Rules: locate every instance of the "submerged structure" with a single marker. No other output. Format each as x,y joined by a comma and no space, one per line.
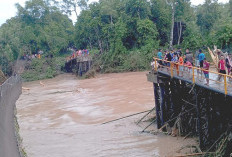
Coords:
183,100
79,65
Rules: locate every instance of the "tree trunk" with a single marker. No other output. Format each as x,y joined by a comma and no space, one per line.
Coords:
99,41
111,20
179,33
107,45
75,10
90,44
172,25
138,14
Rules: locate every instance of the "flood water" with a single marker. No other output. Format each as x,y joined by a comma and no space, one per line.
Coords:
63,118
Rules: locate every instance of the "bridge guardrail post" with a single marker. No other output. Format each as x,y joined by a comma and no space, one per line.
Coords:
225,84
156,65
172,65
193,74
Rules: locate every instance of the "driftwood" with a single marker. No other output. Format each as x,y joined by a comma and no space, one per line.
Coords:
195,154
24,88
165,125
2,77
223,143
176,117
41,83
149,125
215,55
145,115
190,146
188,135
126,117
216,141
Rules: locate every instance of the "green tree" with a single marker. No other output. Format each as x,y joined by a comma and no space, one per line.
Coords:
207,15
44,27
69,6
183,14
160,15
223,36
230,9
192,37
148,33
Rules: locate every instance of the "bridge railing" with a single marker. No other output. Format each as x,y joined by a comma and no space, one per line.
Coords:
191,73
79,58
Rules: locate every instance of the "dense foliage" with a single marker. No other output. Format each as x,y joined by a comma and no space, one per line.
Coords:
127,32
37,27
123,33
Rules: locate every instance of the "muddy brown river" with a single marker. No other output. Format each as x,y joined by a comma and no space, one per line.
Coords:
63,118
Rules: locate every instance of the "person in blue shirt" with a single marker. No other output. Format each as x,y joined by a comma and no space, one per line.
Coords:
201,58
175,63
174,58
160,56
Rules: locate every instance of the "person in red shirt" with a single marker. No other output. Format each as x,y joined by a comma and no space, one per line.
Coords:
206,71
73,55
181,65
189,66
221,67
228,63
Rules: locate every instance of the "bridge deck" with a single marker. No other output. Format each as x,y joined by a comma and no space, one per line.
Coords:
214,84
204,111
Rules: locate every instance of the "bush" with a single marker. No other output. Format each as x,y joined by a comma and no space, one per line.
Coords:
44,68
136,61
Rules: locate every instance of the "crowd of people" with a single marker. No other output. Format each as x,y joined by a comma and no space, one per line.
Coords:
183,62
32,56
78,53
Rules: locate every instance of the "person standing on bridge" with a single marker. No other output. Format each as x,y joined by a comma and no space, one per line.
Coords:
181,65
179,52
197,63
175,63
189,67
79,53
228,63
168,58
160,56
206,71
189,56
201,59
221,67
186,51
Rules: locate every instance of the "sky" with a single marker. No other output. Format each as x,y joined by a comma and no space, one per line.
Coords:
8,10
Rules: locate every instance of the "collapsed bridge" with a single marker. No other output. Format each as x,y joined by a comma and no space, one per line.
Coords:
201,110
79,65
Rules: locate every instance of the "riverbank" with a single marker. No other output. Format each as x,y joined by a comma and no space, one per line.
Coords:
63,118
40,69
